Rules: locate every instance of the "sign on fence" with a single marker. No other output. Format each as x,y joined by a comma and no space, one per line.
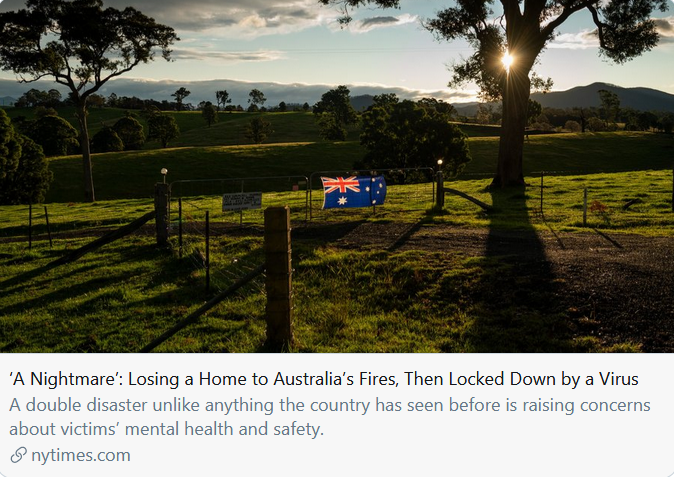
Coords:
242,201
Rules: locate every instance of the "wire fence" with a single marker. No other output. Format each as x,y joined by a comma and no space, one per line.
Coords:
59,224
629,200
555,198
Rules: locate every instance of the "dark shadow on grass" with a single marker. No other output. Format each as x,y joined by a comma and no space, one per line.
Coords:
515,305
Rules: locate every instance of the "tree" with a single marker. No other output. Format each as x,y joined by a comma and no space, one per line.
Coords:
209,113
106,140
407,135
180,95
610,106
337,103
534,110
55,135
256,98
624,29
24,172
282,107
131,132
162,127
329,128
572,126
82,46
257,130
222,97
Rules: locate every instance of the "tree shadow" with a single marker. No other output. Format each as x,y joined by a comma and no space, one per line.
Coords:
516,306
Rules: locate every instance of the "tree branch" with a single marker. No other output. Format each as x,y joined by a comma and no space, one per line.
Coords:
566,13
600,28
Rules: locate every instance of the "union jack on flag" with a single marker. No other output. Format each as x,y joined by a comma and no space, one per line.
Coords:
354,191
341,183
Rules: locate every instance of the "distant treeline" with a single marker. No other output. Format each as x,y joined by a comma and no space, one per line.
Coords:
54,99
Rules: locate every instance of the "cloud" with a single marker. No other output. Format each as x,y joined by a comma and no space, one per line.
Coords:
369,24
233,18
665,28
201,54
582,40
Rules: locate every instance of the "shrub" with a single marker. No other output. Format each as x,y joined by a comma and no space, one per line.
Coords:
130,131
106,140
257,130
24,171
572,126
56,135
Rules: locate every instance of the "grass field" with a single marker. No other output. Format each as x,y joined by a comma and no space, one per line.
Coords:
121,297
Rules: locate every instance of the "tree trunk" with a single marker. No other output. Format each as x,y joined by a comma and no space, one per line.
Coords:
511,145
89,194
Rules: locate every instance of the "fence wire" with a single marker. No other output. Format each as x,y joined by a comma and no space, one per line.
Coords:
219,252
65,223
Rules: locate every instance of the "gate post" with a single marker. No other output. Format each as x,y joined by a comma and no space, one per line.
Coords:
162,194
278,281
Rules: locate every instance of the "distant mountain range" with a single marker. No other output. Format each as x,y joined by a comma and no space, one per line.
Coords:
642,99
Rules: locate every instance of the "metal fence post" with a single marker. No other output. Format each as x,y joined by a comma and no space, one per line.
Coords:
30,226
180,228
162,194
208,252
278,281
46,217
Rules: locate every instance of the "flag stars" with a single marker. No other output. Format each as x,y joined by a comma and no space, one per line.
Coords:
341,201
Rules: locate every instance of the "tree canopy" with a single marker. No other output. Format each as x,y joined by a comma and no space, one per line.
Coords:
522,30
180,95
335,112
409,135
162,127
24,172
81,45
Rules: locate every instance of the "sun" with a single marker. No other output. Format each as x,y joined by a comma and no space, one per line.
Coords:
507,61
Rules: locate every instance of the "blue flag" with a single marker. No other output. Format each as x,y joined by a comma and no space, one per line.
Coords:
354,191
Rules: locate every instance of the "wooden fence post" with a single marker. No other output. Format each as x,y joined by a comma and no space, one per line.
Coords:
278,281
162,193
440,197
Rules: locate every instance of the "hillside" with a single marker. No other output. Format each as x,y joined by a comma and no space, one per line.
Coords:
642,99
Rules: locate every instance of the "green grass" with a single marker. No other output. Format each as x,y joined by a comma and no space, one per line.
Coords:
132,174
120,298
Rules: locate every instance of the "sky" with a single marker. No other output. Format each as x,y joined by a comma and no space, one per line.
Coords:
294,50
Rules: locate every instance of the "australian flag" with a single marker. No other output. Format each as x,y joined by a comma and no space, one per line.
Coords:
354,191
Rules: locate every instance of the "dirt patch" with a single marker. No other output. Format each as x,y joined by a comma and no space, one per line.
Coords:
618,288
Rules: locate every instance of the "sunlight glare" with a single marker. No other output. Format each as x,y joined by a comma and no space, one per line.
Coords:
507,61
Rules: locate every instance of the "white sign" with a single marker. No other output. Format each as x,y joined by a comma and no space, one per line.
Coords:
242,201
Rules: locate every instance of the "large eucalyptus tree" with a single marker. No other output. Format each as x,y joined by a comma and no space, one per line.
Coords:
81,45
507,47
